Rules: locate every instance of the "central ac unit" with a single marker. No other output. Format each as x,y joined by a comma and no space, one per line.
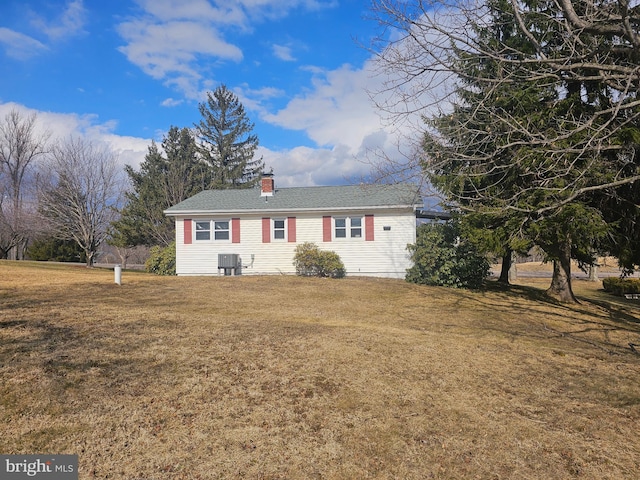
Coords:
228,260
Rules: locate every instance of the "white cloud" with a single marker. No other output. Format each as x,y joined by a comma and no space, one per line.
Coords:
337,111
68,24
278,8
168,49
130,150
255,99
338,114
218,13
283,53
171,102
20,46
304,166
300,166
170,38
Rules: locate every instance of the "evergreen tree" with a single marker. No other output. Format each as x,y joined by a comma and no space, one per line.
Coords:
53,249
532,145
443,257
166,177
621,208
468,157
226,143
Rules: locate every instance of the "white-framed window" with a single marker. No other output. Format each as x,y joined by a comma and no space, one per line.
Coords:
348,227
203,230
222,229
340,227
356,227
218,230
279,229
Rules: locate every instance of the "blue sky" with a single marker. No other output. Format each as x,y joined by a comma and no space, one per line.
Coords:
124,71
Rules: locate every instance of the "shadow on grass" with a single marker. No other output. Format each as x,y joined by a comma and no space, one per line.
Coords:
54,362
591,315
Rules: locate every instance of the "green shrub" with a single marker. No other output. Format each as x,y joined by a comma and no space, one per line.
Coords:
162,261
53,249
441,258
620,286
310,261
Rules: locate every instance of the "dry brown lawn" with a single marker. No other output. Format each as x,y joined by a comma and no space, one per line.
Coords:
286,377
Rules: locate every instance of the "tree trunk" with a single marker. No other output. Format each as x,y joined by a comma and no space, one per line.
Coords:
124,253
513,271
90,257
506,268
560,288
593,273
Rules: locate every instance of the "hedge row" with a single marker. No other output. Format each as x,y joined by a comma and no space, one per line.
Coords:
620,286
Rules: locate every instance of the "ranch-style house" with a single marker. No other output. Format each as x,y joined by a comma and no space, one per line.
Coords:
255,231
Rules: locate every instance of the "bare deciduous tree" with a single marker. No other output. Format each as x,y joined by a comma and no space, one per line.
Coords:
20,146
80,194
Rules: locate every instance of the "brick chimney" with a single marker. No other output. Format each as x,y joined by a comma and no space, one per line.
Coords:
267,185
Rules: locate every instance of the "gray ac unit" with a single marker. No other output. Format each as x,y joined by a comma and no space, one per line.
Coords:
228,260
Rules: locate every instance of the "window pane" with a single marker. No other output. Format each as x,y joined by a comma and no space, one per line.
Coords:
356,227
278,224
340,227
203,230
278,234
222,230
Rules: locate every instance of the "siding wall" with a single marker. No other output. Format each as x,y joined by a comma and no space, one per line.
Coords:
385,256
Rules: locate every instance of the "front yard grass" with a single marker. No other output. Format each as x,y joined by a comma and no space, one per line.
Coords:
289,377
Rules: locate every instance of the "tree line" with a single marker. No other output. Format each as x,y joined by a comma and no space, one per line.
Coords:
531,117
73,195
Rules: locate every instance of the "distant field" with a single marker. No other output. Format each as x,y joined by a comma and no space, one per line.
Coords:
293,378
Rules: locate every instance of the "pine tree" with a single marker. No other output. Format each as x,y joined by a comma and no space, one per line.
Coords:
527,148
166,177
226,143
544,130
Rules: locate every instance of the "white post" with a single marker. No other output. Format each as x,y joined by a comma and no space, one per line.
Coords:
117,270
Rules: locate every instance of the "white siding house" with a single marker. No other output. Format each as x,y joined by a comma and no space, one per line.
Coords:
368,226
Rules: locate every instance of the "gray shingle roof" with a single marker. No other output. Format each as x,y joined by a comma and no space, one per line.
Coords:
300,198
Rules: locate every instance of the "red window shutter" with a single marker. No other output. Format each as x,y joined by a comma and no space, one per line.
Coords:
188,227
235,230
291,229
326,229
266,230
368,228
